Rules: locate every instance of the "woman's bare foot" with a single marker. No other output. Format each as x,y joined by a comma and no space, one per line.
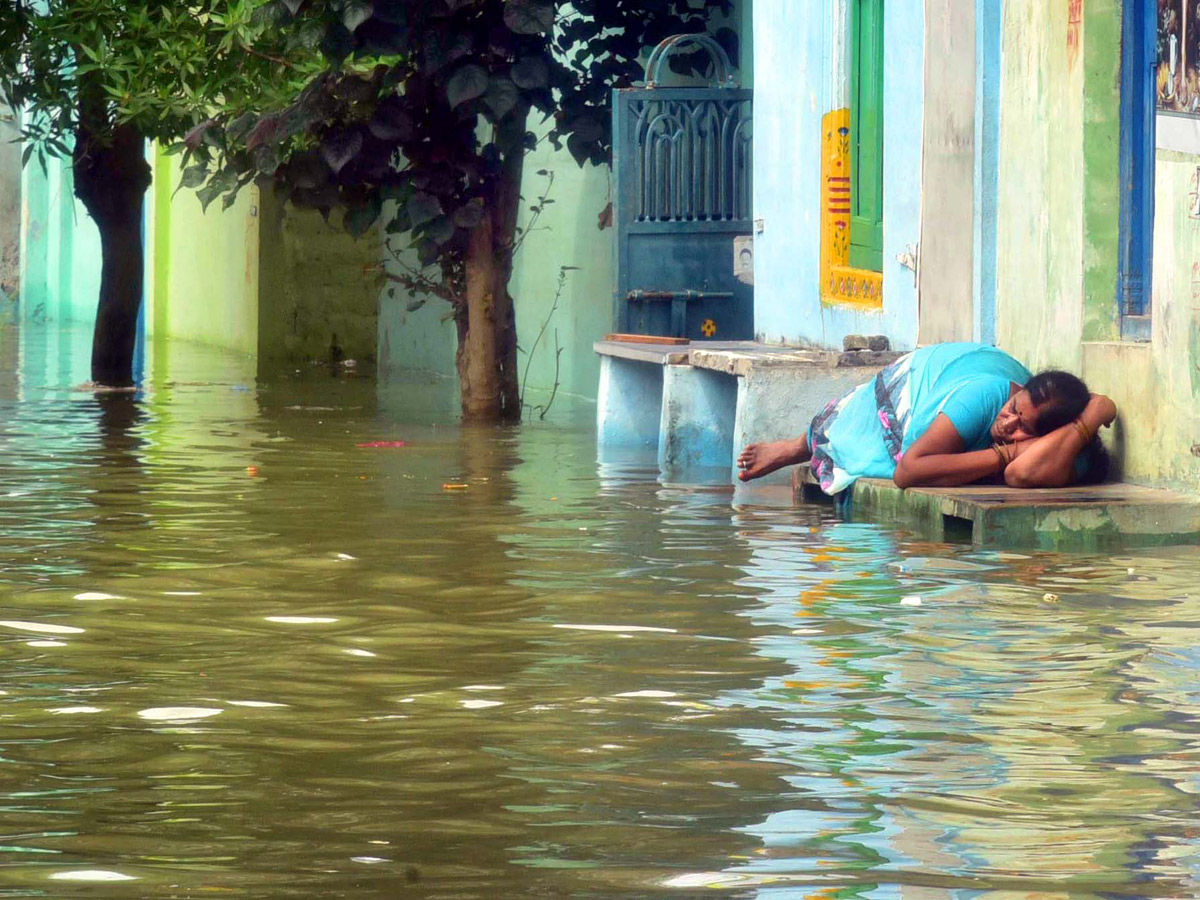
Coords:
758,460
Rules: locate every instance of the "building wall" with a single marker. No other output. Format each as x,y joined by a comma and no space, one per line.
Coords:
205,265
1057,237
60,248
318,287
10,216
566,234
797,47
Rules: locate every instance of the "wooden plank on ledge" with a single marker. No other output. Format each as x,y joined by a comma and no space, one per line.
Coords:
646,339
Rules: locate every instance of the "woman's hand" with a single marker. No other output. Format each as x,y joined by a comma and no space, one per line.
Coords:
1101,410
1049,460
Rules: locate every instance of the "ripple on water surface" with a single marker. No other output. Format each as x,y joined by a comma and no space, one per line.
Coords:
245,655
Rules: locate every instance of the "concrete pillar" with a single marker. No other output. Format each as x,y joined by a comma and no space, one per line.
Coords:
774,404
628,408
698,412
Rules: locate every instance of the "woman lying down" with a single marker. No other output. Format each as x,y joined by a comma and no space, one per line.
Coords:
947,415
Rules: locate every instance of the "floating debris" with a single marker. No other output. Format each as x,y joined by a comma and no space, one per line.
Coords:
910,601
177,714
91,875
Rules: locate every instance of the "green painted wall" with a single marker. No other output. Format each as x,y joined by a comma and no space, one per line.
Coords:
204,265
315,282
566,234
1039,278
1057,234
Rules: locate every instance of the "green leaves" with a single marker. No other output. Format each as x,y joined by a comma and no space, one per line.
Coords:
423,103
360,217
423,208
468,83
355,13
530,73
339,147
193,176
529,16
502,97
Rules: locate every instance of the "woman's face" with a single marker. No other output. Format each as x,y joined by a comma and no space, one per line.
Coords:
1017,420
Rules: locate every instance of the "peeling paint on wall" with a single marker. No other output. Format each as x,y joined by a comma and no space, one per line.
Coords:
1074,27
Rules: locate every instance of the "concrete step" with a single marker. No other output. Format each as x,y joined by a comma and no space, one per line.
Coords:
1096,517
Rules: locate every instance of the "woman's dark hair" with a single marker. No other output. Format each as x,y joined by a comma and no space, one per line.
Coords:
1060,397
1096,463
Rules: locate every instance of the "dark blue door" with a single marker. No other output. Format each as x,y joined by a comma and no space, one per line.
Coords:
682,168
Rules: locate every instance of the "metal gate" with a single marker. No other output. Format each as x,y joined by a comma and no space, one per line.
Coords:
682,170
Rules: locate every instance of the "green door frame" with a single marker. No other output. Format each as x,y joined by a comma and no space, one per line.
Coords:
866,131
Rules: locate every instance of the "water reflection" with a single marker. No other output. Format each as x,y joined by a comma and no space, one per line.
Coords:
246,655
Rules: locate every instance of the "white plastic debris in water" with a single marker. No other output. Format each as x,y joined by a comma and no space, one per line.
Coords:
910,601
97,595
91,875
178,713
1129,571
1050,598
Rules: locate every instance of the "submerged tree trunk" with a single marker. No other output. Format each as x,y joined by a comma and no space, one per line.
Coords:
487,327
111,178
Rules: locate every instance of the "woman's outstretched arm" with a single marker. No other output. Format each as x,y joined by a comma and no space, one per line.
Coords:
1049,460
936,459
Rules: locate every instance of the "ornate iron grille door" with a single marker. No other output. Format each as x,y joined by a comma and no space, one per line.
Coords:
682,169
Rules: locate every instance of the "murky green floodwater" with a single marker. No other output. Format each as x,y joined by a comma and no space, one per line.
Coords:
330,676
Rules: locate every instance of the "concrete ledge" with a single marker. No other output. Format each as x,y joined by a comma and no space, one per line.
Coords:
1076,518
740,358
658,354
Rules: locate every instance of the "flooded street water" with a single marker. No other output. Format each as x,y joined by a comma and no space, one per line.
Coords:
241,655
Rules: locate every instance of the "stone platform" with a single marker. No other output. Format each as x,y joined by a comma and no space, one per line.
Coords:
1076,518
700,403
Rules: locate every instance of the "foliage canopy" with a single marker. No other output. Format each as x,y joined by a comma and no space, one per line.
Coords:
154,65
424,101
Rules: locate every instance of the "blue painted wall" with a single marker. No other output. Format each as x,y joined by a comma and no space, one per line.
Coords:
794,88
60,248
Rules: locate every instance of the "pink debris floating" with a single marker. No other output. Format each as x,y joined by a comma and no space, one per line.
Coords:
381,445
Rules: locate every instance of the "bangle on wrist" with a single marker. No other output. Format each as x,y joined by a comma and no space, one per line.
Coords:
1082,428
1001,456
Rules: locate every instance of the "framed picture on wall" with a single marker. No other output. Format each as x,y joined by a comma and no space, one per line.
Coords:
1178,76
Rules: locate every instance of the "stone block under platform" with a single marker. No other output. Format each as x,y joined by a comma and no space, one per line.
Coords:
698,404
1095,517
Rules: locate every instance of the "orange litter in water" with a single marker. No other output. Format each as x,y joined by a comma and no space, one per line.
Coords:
454,487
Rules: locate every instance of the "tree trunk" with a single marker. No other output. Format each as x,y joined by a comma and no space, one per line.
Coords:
487,328
111,179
